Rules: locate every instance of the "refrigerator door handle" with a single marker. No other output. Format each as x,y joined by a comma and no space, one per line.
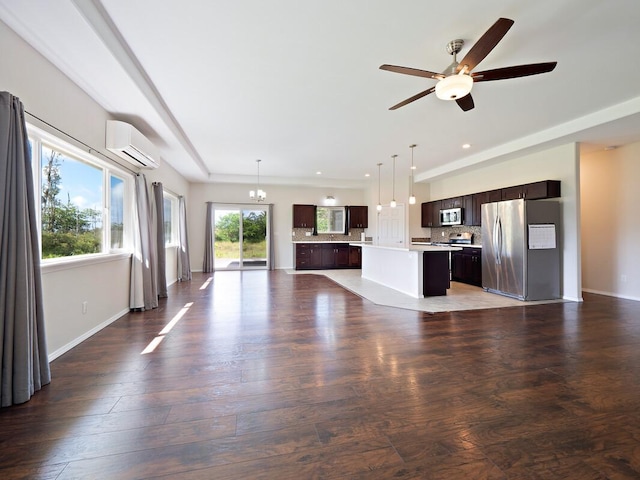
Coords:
500,240
497,240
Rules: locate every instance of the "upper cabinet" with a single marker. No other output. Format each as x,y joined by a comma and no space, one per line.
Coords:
455,202
304,216
358,216
478,200
431,213
533,191
472,204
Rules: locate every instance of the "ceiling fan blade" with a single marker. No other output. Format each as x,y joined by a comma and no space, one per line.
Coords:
411,71
466,102
485,44
513,72
414,98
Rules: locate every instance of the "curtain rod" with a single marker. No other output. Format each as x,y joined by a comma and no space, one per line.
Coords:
167,190
237,203
81,143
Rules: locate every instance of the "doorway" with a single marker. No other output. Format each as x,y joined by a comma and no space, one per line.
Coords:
240,237
391,226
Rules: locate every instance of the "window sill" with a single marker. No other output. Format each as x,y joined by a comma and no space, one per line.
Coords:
67,263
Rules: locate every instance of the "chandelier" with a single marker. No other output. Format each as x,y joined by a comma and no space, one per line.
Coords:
257,194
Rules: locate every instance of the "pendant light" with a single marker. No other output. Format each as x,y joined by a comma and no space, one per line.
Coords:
258,195
379,207
412,197
393,184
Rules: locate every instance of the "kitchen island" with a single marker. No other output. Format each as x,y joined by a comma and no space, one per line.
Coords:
418,271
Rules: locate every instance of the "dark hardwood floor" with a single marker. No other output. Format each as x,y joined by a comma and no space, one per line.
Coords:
276,376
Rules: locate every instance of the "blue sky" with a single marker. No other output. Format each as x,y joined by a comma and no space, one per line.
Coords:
81,183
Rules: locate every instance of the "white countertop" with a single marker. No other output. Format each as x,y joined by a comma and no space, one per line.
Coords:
463,245
415,248
350,242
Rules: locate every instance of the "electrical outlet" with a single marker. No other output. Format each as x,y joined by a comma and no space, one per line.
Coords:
84,307
293,234
442,233
308,234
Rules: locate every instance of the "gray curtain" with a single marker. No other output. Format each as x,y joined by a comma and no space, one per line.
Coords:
184,262
23,348
157,200
207,265
272,249
144,290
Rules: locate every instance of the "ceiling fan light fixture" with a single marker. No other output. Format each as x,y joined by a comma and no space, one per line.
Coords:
454,87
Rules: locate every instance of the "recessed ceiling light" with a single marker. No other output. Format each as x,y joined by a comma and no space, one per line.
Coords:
466,145
318,172
367,175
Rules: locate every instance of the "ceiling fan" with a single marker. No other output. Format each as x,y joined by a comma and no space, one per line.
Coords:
456,81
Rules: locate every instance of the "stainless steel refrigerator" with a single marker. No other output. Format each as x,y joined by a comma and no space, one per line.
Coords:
521,249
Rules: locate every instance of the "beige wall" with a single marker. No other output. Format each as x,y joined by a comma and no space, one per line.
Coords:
104,285
610,259
283,197
609,181
559,163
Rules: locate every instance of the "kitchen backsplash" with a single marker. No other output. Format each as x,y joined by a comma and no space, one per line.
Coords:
436,233
354,235
300,235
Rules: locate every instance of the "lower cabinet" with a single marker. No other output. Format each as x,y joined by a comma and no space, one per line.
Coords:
317,256
355,256
308,256
466,266
335,255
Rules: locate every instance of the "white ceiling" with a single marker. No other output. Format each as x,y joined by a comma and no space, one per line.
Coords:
218,84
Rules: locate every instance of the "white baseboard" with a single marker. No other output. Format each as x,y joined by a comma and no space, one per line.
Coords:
83,337
611,294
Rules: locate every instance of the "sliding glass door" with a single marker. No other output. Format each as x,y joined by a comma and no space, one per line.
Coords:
240,237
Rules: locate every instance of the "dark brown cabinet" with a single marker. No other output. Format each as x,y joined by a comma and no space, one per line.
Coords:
468,213
308,256
472,204
455,202
466,266
481,198
304,216
435,267
430,214
317,256
425,215
533,191
355,257
358,216
335,255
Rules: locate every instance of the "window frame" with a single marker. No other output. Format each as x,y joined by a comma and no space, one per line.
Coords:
39,137
174,240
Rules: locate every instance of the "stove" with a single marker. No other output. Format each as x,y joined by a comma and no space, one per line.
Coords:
463,238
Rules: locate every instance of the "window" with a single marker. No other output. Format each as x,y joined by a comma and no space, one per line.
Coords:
170,218
116,209
330,219
82,199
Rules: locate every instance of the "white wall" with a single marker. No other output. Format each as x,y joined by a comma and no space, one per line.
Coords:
283,197
51,96
559,163
421,191
610,260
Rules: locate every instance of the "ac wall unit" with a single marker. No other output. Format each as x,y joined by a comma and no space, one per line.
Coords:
128,143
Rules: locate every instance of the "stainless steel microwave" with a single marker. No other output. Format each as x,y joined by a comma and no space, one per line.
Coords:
451,216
